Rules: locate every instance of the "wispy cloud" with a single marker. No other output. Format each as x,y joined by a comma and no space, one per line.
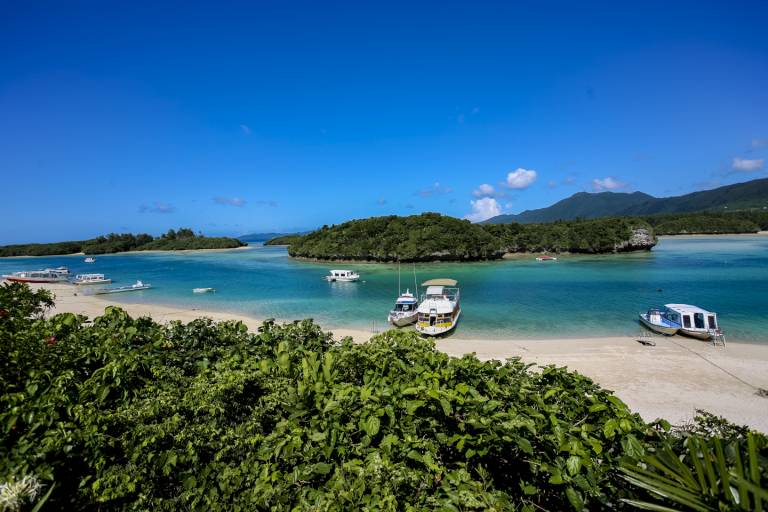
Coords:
746,165
435,190
551,184
230,201
607,183
760,143
484,190
246,129
520,178
483,209
157,207
381,201
263,202
570,180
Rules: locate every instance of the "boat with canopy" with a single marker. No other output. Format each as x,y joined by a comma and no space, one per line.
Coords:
440,307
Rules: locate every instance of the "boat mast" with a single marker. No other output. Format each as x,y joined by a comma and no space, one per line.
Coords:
415,284
398,279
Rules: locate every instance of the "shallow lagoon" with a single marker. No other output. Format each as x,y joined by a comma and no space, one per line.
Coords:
573,297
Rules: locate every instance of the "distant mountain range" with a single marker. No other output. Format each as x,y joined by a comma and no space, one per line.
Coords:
751,194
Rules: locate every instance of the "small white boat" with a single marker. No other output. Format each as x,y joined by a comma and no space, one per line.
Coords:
90,279
658,320
203,290
138,285
440,308
90,260
36,276
546,258
405,311
694,321
346,276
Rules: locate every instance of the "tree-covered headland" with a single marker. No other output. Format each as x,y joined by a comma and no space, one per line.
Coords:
172,240
127,414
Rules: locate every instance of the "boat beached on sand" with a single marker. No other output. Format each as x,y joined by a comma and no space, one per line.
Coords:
440,307
694,321
658,320
90,279
37,276
405,310
138,285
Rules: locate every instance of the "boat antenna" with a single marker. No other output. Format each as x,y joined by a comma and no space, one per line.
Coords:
415,283
398,279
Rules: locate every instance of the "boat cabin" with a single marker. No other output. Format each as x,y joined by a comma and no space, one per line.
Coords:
439,309
692,319
342,275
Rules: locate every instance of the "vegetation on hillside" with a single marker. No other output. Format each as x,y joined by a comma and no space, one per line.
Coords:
283,240
432,236
127,414
173,240
709,223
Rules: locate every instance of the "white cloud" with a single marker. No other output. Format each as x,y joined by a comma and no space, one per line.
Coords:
521,178
483,209
484,190
246,129
609,183
230,201
745,165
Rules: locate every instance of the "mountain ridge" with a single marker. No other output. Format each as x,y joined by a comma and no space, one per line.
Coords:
590,205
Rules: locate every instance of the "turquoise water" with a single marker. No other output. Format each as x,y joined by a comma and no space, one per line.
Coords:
577,296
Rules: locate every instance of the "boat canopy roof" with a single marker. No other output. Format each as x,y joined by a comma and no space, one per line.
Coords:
687,308
440,282
342,271
434,290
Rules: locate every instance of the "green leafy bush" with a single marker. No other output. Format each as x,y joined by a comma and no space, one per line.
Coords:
128,414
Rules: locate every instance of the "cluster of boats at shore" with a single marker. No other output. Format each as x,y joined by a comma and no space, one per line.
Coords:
435,312
96,282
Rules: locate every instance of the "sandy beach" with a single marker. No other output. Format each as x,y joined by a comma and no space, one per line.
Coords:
670,380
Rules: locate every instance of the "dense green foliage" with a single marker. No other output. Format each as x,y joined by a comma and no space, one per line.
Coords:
173,240
709,223
127,414
740,196
432,236
283,240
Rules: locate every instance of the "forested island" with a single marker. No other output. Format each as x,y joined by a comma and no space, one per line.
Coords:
172,240
433,237
709,223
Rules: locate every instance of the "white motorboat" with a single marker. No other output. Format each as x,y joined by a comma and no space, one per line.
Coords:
546,258
90,279
405,311
440,307
37,276
694,321
89,259
346,276
659,320
59,270
203,290
137,286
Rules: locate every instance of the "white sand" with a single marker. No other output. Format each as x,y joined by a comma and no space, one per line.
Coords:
670,380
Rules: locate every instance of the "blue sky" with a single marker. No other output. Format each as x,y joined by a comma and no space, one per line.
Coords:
247,117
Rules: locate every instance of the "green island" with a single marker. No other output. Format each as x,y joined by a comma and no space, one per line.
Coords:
431,236
124,413
172,240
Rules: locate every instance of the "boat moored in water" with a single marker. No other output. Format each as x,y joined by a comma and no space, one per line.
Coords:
137,286
658,320
694,321
89,259
546,258
91,279
405,311
346,276
203,290
440,307
37,276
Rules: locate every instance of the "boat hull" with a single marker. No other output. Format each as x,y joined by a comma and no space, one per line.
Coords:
34,279
402,321
699,335
661,329
93,283
437,330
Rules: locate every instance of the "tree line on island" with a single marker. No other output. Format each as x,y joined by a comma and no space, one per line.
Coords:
432,236
125,413
172,240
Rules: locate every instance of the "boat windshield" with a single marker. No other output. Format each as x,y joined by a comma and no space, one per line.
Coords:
405,308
